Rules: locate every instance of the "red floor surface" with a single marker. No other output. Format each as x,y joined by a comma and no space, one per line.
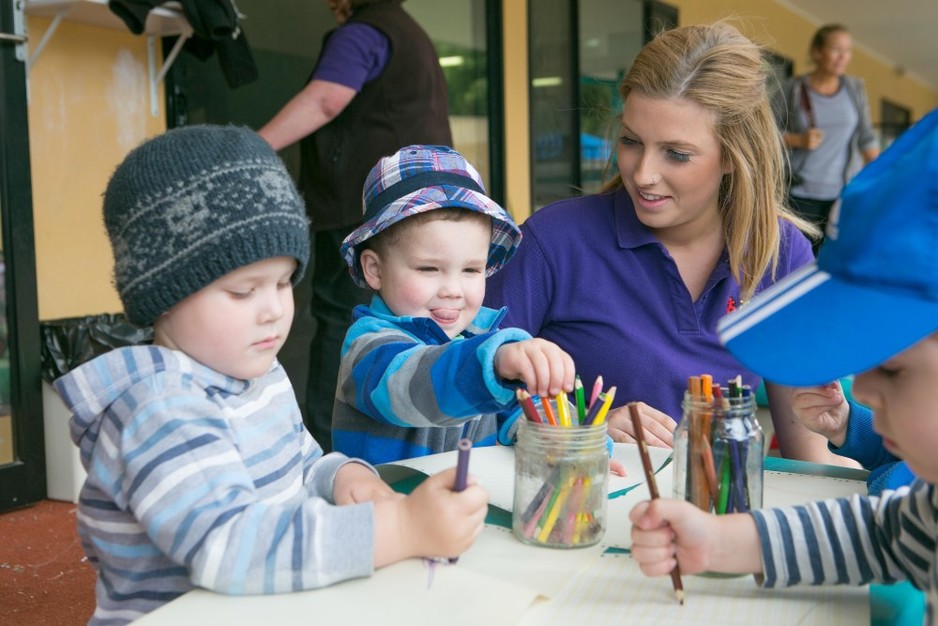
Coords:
44,577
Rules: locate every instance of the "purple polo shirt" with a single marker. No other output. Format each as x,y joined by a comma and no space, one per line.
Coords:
592,278
354,54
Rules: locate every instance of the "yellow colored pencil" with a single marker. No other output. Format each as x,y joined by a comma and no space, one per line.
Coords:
554,512
581,518
563,414
601,416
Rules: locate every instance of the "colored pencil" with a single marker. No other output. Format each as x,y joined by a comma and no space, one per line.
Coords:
594,410
604,409
563,410
527,406
542,495
653,489
693,385
597,387
548,412
580,399
538,511
710,472
462,463
721,497
554,509
724,491
706,387
462,471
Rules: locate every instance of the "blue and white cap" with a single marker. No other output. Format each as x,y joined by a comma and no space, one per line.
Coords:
873,291
420,178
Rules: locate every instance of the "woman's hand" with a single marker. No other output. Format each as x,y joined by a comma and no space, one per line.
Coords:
811,139
657,427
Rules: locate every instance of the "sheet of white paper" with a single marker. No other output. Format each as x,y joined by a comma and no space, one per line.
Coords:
497,553
405,594
494,468
613,591
618,526
786,489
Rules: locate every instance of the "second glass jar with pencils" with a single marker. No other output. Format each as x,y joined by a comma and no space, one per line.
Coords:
719,451
561,484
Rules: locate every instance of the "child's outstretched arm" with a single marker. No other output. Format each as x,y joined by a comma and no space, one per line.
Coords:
433,521
543,366
381,362
666,532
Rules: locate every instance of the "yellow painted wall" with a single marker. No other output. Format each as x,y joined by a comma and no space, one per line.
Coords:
517,128
788,33
89,105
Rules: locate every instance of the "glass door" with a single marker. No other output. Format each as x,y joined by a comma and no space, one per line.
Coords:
22,459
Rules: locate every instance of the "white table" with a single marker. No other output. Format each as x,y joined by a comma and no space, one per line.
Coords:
502,581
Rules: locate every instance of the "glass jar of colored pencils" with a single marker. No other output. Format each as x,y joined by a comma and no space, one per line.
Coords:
561,483
719,450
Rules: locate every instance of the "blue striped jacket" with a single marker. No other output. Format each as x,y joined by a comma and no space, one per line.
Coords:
406,390
199,479
855,541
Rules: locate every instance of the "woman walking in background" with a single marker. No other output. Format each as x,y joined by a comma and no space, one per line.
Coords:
824,117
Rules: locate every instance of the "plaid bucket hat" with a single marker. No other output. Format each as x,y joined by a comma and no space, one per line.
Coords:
417,179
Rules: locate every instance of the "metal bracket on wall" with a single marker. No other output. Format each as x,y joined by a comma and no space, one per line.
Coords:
18,36
162,21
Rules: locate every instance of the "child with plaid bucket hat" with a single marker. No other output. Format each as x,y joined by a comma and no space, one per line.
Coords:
868,305
200,471
426,364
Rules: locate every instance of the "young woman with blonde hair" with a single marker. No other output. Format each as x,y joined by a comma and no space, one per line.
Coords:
631,281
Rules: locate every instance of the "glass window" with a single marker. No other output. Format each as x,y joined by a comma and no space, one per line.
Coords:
896,119
553,100
458,29
579,51
610,37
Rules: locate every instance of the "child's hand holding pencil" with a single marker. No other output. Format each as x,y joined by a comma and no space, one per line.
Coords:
674,536
435,520
668,533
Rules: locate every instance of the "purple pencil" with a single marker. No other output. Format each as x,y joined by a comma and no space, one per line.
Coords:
462,470
462,463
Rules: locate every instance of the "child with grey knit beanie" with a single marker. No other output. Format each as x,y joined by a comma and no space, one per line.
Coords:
200,471
192,205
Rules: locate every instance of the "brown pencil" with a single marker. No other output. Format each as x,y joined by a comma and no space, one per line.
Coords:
653,488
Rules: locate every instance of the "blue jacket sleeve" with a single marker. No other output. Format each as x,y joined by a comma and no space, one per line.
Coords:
437,385
864,445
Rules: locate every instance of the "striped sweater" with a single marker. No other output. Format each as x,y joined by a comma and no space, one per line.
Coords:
406,390
199,479
855,541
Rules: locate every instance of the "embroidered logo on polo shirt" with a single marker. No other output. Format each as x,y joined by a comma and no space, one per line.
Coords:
730,305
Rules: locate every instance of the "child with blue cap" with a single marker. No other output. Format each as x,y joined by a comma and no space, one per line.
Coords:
869,306
200,472
426,364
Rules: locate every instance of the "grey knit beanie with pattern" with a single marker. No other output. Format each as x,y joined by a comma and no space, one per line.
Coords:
191,205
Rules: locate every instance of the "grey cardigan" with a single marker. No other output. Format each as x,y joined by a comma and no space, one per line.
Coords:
786,104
